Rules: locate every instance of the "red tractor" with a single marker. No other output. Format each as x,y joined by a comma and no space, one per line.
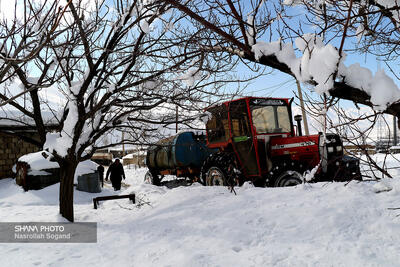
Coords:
253,139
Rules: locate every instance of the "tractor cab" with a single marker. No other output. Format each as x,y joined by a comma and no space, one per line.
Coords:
246,127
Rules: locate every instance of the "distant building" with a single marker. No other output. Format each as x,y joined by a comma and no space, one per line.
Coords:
120,151
383,144
394,149
13,146
18,136
359,149
102,158
135,158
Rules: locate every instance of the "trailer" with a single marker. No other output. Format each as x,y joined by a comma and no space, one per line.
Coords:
181,155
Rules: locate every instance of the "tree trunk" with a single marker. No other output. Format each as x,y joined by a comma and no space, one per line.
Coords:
67,172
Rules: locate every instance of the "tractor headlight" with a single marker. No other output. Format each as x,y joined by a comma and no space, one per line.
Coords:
339,148
330,149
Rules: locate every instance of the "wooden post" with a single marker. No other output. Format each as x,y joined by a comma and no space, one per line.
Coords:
303,111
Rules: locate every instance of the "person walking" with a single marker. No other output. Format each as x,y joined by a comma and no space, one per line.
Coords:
100,169
116,172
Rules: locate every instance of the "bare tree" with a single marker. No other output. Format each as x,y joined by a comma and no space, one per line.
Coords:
25,40
120,65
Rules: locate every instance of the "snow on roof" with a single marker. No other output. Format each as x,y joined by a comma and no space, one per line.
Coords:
128,156
17,118
39,160
134,155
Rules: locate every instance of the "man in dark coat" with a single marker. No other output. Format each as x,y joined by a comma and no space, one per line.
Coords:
117,173
100,169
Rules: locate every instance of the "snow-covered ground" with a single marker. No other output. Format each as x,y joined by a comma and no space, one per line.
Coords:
323,224
388,162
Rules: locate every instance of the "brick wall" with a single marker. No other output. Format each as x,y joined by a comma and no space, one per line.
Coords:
11,148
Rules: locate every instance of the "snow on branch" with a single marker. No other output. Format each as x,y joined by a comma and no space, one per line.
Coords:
59,143
292,2
321,63
191,76
393,5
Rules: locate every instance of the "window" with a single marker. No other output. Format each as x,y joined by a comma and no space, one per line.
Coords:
217,125
271,119
239,119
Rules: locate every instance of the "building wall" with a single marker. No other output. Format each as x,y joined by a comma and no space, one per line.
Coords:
11,148
135,160
352,149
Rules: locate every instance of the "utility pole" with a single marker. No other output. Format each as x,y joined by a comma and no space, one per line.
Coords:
123,144
394,130
137,158
176,119
303,110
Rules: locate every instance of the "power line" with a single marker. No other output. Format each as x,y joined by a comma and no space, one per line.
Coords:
274,88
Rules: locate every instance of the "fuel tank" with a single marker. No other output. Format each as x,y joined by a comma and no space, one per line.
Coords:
183,150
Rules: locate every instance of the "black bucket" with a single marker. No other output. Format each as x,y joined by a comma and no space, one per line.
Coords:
89,183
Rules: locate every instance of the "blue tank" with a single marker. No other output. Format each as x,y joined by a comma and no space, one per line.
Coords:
184,150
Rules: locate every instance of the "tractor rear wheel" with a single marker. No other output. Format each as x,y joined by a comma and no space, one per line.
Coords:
219,169
288,178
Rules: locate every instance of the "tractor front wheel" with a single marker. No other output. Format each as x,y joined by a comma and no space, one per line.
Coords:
289,178
151,177
215,176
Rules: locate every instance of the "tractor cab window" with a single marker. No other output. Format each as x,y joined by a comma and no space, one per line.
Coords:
271,118
239,119
217,125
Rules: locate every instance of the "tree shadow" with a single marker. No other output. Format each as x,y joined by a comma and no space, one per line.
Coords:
176,183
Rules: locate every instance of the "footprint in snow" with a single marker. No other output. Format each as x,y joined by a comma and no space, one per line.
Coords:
236,249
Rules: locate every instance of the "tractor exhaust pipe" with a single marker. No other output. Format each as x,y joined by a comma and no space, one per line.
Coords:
298,118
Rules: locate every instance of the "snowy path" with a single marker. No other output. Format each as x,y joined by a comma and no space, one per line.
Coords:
325,224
